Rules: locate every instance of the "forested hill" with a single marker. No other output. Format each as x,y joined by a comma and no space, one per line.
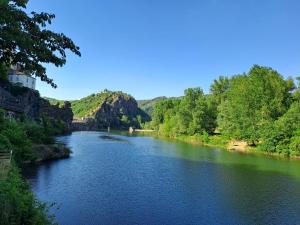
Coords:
148,105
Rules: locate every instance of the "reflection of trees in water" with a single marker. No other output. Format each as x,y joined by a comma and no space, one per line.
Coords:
40,173
259,197
246,189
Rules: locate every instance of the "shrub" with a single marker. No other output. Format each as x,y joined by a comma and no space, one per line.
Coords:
18,205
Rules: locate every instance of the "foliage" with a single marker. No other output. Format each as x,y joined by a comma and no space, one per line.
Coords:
192,114
18,140
219,89
283,136
19,136
260,107
253,100
18,205
148,105
25,41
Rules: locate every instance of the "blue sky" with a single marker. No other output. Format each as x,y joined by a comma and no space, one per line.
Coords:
151,48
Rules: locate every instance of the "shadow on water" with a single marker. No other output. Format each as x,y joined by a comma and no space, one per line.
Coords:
113,138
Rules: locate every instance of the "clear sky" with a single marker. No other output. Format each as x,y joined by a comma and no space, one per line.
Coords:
151,48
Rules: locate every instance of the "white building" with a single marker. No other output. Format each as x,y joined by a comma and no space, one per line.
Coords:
15,76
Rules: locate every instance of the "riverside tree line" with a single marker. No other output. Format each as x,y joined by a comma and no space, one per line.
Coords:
260,107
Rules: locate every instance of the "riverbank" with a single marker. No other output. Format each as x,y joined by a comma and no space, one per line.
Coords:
224,143
18,205
50,152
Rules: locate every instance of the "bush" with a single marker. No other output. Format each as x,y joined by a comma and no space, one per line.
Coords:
205,137
5,144
283,135
295,144
18,205
35,132
18,141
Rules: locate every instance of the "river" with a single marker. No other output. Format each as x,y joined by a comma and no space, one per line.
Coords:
114,179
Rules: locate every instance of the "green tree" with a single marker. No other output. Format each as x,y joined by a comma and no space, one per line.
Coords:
219,88
192,114
161,109
253,100
24,40
283,135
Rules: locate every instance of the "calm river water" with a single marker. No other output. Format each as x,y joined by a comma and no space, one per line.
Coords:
113,179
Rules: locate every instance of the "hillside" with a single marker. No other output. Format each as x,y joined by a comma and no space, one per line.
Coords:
148,105
107,109
54,101
88,106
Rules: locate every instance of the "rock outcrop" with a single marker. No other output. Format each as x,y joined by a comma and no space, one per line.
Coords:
236,145
21,102
50,152
116,110
110,113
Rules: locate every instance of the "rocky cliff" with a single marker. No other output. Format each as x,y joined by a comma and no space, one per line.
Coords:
23,103
116,110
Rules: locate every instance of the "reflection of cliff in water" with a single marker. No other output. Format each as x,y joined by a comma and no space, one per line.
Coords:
113,138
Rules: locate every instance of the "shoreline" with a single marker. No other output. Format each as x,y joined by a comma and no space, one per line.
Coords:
217,141
248,150
195,140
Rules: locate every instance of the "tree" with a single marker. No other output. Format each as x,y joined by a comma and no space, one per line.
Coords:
189,115
283,135
252,101
161,109
25,41
219,88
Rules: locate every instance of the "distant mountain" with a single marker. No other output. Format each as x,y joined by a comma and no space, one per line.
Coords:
54,101
148,105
